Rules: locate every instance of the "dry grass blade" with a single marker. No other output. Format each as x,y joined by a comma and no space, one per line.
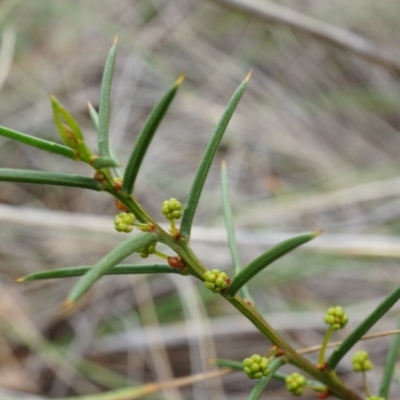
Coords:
313,349
154,387
329,33
6,53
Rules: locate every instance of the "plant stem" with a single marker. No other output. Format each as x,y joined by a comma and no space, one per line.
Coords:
194,265
334,385
135,208
321,358
365,384
196,268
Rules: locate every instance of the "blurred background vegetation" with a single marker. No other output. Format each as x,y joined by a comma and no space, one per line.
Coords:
313,144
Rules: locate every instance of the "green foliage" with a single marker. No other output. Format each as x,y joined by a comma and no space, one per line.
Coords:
146,135
208,157
70,132
144,234
265,259
104,108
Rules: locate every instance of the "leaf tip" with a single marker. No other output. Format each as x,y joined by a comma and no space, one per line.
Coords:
89,105
248,76
115,40
68,304
223,164
180,79
19,280
318,232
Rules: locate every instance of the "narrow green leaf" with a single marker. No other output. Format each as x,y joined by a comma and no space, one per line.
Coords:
61,113
114,164
104,108
93,116
390,365
244,291
206,161
33,141
262,383
104,162
363,328
122,269
265,259
48,178
222,362
70,131
146,135
107,263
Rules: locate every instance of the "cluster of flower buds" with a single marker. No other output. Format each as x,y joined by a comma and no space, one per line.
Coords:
145,251
216,280
123,222
255,366
361,361
172,209
295,383
336,318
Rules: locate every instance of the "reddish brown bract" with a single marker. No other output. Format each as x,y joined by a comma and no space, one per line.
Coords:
176,262
120,206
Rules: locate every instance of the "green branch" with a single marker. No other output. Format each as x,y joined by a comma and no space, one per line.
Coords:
48,178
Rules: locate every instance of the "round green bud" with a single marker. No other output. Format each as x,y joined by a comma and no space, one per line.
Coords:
255,366
295,383
172,209
216,280
361,361
123,222
144,252
375,398
336,318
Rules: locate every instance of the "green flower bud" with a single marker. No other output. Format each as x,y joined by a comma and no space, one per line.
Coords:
295,383
255,366
361,361
216,280
375,398
123,222
172,209
336,318
145,251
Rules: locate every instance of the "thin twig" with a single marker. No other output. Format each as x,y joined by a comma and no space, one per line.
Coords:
313,349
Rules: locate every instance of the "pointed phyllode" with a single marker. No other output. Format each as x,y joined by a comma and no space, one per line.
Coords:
267,258
126,248
104,108
146,135
207,159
